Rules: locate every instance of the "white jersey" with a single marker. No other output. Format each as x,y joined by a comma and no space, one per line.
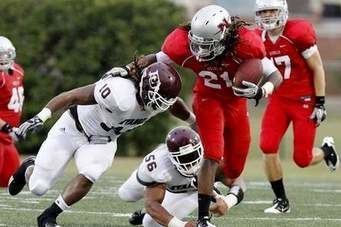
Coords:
117,109
157,167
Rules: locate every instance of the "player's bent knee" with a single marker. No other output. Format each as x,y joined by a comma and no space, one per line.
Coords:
127,195
268,148
39,188
302,162
148,221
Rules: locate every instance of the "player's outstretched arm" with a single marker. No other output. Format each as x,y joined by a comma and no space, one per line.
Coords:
180,110
79,96
153,197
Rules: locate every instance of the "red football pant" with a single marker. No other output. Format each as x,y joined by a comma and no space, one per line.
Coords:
277,117
224,129
9,162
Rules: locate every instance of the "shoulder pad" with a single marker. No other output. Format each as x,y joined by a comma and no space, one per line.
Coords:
176,46
249,45
115,94
301,33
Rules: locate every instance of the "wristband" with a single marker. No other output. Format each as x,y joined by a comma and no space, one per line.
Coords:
176,222
191,119
44,114
268,88
320,100
6,128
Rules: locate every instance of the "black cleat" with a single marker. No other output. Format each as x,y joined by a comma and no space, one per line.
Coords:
331,158
280,206
137,218
205,222
17,180
47,221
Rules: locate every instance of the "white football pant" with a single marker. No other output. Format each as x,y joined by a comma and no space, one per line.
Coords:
63,143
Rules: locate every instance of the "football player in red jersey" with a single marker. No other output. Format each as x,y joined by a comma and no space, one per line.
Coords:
213,46
291,44
11,101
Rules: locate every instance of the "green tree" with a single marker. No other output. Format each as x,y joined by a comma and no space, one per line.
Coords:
63,44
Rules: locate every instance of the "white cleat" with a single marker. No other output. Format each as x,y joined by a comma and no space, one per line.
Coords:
332,158
280,206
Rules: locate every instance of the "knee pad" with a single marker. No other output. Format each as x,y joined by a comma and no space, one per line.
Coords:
149,222
127,195
38,188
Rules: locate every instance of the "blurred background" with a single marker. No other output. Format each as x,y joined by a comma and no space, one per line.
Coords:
63,44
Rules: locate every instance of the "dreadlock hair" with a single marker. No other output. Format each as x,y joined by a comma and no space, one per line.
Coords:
232,36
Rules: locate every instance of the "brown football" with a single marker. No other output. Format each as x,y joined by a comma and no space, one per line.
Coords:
250,70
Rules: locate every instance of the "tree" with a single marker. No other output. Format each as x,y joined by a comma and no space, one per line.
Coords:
64,44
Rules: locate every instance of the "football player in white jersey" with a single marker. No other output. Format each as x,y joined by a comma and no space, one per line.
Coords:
166,180
97,114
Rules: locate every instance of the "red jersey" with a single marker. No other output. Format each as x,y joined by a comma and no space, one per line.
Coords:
213,77
287,53
11,96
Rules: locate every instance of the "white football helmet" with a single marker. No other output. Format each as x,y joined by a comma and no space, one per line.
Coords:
208,32
185,149
7,54
271,22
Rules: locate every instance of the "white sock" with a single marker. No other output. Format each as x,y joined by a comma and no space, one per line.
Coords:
61,203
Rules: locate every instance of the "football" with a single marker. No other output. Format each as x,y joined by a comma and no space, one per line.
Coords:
250,70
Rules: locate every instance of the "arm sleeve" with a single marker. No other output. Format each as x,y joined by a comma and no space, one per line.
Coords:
304,38
268,66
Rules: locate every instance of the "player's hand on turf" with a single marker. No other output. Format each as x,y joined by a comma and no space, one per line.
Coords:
219,208
251,91
319,114
29,126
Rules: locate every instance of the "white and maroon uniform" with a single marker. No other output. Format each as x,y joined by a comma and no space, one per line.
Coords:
181,197
89,134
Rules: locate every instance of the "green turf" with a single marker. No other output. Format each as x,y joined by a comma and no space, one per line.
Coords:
314,195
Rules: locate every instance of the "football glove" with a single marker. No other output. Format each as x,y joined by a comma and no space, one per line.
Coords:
29,126
319,114
117,71
251,91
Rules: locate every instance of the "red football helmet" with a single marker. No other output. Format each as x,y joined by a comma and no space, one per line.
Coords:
159,86
185,149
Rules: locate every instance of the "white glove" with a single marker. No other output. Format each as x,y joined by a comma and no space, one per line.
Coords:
252,91
117,71
31,125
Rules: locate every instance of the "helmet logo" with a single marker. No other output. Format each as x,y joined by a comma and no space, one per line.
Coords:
154,80
223,25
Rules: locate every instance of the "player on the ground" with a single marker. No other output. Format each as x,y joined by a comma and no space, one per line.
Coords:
98,114
166,179
213,46
300,99
11,101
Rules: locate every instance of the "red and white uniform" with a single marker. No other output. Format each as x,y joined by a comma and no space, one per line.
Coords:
222,118
11,101
294,100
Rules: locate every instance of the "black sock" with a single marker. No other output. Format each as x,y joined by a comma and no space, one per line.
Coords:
278,188
326,150
204,205
54,210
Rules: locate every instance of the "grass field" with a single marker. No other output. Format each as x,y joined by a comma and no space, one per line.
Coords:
314,195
